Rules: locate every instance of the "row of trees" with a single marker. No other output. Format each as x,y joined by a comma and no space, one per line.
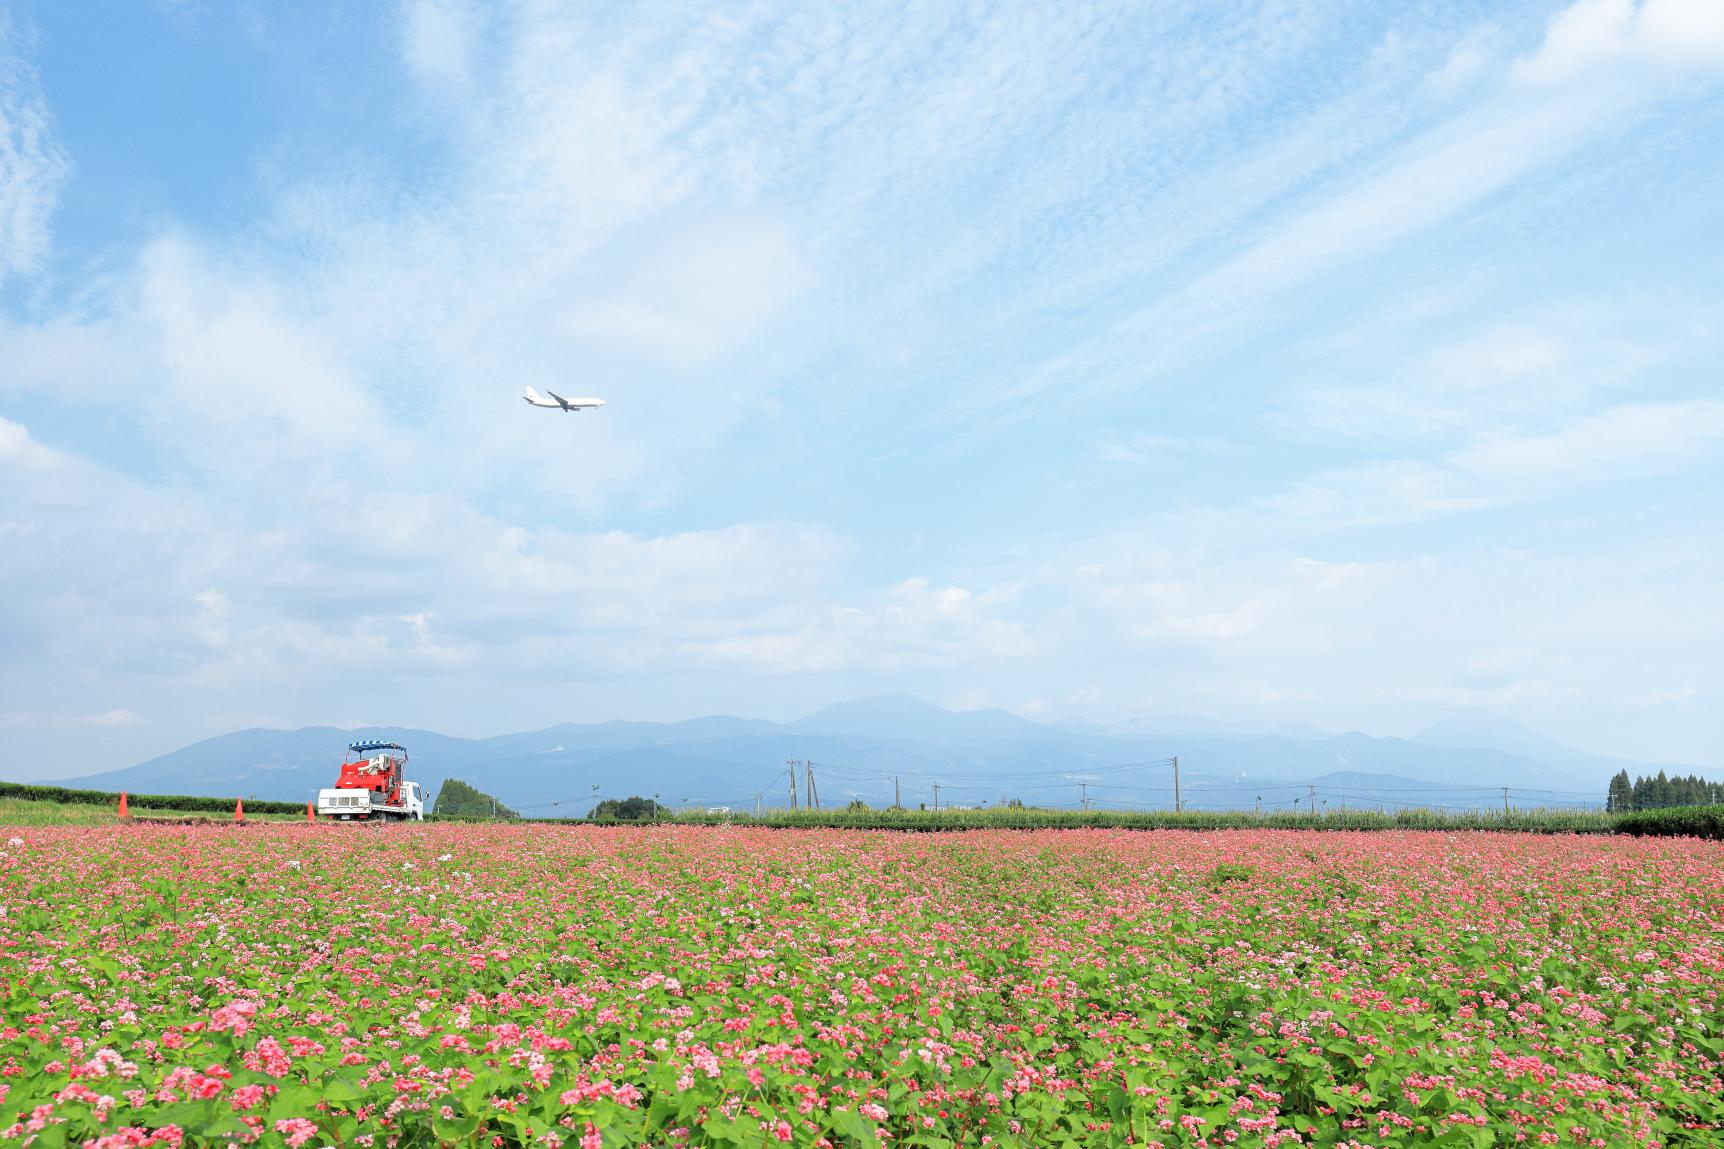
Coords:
1660,792
631,809
638,809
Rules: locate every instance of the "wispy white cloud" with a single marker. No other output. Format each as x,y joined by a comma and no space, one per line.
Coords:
1467,62
33,166
1403,184
1624,442
69,721
437,41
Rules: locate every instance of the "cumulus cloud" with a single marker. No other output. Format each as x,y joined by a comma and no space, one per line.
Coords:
1381,644
1594,36
369,587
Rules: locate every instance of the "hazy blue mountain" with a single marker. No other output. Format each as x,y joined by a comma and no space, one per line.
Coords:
859,747
1479,729
1476,728
576,738
1197,726
904,717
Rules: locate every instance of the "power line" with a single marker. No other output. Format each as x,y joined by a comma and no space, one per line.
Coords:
1078,784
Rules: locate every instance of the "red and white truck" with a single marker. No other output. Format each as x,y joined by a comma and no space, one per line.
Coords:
373,787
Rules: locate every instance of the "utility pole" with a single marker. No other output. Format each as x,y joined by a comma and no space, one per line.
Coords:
793,763
1177,804
1260,805
897,803
813,794
936,797
757,805
1085,788
1505,800
1313,800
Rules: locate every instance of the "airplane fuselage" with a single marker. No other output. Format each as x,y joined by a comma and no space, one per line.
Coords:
557,402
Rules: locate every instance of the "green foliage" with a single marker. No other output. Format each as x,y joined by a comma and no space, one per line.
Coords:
24,812
1231,872
1538,821
636,809
176,802
1659,792
456,799
1680,821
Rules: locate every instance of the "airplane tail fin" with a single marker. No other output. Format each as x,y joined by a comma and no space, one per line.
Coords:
531,396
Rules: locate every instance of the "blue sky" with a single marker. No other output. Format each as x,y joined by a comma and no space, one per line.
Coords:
1348,363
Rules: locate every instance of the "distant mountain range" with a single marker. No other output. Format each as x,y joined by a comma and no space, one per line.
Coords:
975,757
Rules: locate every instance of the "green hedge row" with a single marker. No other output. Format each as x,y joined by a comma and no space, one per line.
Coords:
183,802
1674,822
1534,821
1524,821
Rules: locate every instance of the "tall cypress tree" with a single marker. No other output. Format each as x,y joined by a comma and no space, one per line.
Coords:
1621,797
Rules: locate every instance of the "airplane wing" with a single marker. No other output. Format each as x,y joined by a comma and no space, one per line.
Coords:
557,397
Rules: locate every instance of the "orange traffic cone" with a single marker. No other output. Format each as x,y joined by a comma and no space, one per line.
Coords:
239,810
124,812
310,814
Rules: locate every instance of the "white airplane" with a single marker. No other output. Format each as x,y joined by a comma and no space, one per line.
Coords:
557,401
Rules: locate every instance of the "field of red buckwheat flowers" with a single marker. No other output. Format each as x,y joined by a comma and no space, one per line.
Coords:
513,986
